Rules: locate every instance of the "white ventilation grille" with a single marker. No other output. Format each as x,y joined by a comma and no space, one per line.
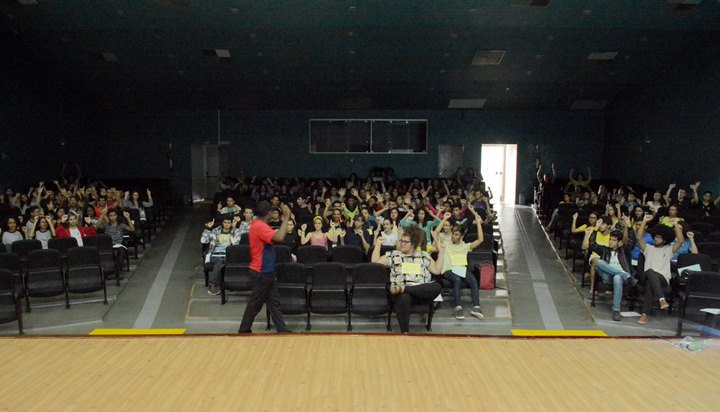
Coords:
467,103
589,105
602,56
488,57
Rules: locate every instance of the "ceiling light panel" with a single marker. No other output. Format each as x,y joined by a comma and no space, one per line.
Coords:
467,103
488,57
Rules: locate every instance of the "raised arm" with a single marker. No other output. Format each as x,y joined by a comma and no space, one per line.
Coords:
694,187
376,257
478,222
282,231
641,232
679,237
693,246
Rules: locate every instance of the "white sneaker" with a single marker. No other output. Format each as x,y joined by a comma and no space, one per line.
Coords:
477,312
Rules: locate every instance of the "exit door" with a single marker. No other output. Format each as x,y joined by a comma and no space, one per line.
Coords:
205,165
498,165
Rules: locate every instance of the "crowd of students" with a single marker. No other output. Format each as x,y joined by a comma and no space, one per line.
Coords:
415,218
628,237
72,209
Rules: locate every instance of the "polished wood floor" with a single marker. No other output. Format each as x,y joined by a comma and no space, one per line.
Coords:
350,372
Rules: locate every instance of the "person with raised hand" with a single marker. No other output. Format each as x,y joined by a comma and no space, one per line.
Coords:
411,273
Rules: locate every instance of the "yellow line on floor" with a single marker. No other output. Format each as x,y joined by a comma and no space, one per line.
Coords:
520,332
105,332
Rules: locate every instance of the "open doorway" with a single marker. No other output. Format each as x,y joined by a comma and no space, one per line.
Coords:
498,165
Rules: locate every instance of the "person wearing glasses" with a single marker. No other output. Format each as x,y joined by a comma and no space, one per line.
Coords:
411,272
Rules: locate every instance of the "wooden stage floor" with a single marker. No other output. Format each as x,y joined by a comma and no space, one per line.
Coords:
354,372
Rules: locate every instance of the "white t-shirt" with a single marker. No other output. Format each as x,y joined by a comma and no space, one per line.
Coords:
658,259
75,232
390,238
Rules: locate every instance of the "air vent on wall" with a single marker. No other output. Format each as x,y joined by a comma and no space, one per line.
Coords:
682,5
488,57
530,3
602,56
467,103
589,105
28,2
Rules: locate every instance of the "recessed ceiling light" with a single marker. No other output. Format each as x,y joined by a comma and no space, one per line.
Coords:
454,35
550,37
234,10
587,12
253,36
259,54
507,89
351,52
529,72
351,34
472,10
352,8
110,57
539,57
224,53
442,71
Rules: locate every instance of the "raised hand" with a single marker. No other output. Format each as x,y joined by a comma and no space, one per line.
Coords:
219,206
575,216
379,241
447,215
127,215
647,218
149,193
672,185
210,224
690,235
303,227
342,192
285,211
87,219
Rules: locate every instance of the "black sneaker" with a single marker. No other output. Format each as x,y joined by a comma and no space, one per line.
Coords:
459,313
616,316
214,290
632,281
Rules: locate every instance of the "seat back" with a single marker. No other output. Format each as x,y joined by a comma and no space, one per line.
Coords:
62,244
292,288
84,272
9,301
237,254
369,293
102,242
236,276
689,259
711,249
310,254
702,291
347,254
10,262
373,274
23,247
283,254
328,288
45,275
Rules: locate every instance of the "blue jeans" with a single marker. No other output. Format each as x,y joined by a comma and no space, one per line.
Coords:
617,277
457,283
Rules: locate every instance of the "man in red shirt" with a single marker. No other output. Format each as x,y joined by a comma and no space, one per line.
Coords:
262,268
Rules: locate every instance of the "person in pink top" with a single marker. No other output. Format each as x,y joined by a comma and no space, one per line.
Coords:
262,268
317,237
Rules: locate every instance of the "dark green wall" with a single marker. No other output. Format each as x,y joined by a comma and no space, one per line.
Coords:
275,143
670,133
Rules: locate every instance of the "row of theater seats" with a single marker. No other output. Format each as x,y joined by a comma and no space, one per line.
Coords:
328,283
64,267
327,288
688,291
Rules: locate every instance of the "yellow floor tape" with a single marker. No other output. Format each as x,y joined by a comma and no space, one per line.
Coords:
558,333
106,332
